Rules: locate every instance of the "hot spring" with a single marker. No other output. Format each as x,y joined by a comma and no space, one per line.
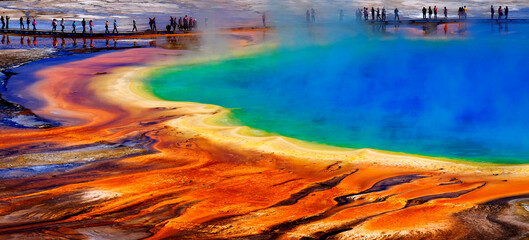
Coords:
461,98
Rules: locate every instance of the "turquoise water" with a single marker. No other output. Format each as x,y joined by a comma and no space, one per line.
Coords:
463,99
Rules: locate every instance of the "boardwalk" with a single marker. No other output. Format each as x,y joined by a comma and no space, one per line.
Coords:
121,34
87,35
126,34
443,21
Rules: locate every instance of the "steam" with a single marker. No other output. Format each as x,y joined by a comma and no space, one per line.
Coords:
350,84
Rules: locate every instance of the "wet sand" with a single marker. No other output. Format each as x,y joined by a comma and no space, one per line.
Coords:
125,165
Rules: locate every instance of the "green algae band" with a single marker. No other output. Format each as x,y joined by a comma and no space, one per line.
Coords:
462,99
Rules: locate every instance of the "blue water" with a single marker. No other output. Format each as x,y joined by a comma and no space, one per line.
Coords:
462,98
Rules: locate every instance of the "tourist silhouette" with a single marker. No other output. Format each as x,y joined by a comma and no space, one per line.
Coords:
115,27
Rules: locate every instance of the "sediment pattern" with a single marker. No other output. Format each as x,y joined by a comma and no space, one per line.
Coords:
118,171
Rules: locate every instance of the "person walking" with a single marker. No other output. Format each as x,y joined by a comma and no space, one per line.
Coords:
506,12
7,22
134,28
430,12
500,13
150,23
21,23
373,13
106,27
181,24
396,11
73,27
263,18
34,23
115,27
383,14
3,22
361,14
364,14
491,12
91,25
445,12
307,15
435,12
465,12
154,24
28,22
62,24
313,14
423,12
378,14
54,25
83,23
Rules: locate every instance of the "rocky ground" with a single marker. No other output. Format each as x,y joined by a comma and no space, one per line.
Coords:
10,58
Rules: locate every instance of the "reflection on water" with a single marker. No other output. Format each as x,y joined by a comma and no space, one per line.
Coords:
460,29
171,42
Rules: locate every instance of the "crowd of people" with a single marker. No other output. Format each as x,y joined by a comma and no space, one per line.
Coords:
311,15
380,15
501,12
462,12
427,13
182,24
